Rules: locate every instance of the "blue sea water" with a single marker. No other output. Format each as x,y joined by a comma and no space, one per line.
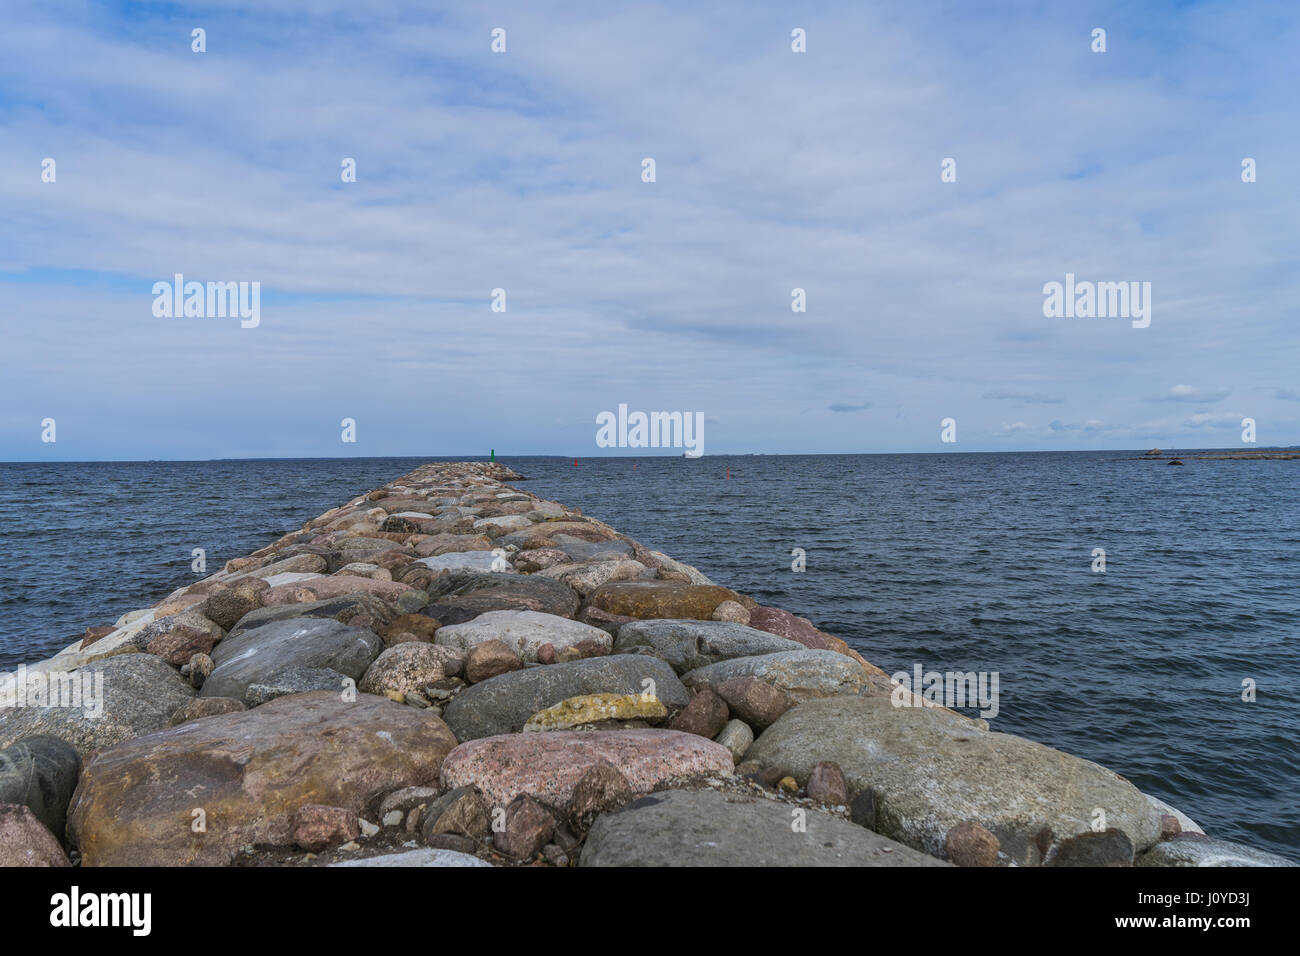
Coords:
965,562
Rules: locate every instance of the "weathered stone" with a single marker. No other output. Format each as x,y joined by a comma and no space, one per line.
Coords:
731,611
332,586
737,737
228,606
26,841
138,694
539,559
40,774
586,576
258,655
407,799
503,704
826,785
461,810
1109,847
680,828
602,789
181,643
424,857
404,668
357,610
200,669
528,827
671,565
524,632
755,702
317,827
688,645
594,709
969,844
475,592
488,659
651,599
249,772
548,766
931,770
201,707
1192,850
705,715
295,680
802,675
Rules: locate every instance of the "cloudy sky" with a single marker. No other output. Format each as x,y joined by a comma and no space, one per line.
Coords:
522,170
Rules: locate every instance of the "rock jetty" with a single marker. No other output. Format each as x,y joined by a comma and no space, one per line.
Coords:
451,671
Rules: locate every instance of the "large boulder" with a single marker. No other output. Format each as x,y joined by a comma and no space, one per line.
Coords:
121,697
548,766
40,773
357,609
801,674
198,792
503,704
524,632
408,667
1206,851
589,575
930,770
256,656
707,828
658,599
687,645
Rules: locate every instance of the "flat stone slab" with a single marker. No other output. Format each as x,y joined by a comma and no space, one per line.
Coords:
522,631
248,772
423,857
709,828
548,766
1206,851
503,704
687,645
257,656
803,674
930,770
657,599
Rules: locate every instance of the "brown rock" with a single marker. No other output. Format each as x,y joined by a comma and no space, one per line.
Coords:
25,840
546,654
528,827
660,599
602,789
826,784
201,707
490,659
317,827
462,811
181,643
201,667
969,844
93,634
706,715
755,702
227,606
248,772
1170,826
407,627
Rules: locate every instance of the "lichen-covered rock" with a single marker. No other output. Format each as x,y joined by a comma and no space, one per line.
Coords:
407,667
657,599
688,645
595,709
524,632
929,770
801,675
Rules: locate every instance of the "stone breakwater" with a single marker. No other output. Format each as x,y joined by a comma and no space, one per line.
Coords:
450,671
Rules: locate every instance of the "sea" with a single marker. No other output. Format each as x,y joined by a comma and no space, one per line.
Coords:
1177,666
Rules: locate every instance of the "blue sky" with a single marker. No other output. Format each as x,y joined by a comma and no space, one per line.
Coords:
522,171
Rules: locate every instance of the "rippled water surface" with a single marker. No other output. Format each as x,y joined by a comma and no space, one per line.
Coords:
957,562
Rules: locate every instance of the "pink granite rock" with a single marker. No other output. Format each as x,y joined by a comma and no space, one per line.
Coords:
548,766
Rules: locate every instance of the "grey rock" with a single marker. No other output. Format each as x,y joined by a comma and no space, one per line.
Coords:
683,828
344,607
293,680
802,674
424,857
503,704
40,773
1206,851
581,550
736,737
930,770
261,654
687,645
140,692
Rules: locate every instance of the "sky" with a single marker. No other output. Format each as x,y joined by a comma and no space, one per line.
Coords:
522,170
